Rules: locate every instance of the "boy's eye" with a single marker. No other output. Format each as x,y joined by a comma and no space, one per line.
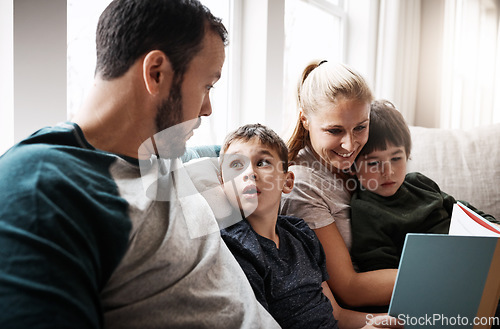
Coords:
263,163
372,163
236,164
396,159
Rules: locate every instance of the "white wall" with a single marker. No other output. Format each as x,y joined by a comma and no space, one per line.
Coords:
39,65
6,74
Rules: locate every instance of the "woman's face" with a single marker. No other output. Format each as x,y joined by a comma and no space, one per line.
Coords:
338,133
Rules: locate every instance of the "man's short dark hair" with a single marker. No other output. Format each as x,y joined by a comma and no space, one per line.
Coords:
128,29
265,135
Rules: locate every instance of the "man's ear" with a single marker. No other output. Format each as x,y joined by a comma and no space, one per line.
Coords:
157,72
289,179
304,120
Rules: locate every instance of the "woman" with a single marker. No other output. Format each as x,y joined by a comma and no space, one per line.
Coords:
332,128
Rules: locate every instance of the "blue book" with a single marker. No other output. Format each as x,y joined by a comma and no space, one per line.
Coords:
447,281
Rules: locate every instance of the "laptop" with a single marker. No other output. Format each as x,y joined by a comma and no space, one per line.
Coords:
445,281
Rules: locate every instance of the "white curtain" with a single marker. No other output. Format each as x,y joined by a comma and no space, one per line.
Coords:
398,54
471,64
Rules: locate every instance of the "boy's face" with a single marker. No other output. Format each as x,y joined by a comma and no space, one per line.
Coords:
253,178
382,172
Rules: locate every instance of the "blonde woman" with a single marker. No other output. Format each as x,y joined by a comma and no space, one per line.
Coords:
332,128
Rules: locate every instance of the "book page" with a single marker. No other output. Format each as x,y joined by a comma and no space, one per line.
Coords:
464,221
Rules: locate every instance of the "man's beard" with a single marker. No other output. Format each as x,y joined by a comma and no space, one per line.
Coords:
172,132
169,112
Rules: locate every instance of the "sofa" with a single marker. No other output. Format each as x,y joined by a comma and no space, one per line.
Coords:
465,163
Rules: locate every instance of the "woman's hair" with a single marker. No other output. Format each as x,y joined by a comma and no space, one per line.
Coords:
128,29
266,136
387,126
322,85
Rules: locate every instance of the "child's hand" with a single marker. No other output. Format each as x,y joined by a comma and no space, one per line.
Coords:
382,321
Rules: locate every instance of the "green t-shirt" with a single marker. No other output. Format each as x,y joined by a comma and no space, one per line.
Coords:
380,224
63,230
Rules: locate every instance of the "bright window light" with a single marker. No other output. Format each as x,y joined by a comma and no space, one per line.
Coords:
314,30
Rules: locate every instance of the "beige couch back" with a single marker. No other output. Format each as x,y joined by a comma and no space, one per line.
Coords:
464,163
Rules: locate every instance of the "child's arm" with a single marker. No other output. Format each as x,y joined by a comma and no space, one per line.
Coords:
486,216
449,201
350,287
351,319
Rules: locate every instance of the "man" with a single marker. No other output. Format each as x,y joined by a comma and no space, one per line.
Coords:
97,221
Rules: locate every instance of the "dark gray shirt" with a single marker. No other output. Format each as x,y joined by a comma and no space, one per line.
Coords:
286,281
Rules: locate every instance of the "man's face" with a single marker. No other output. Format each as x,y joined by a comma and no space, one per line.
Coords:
179,114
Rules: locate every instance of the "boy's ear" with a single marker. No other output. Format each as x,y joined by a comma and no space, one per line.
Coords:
288,185
157,72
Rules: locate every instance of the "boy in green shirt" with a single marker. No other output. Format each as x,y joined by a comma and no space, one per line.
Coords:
389,203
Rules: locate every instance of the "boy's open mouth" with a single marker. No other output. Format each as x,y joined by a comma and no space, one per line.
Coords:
251,190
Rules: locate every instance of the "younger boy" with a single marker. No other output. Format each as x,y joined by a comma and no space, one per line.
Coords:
390,203
281,256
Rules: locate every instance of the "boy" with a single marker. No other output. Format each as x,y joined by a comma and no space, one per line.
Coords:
281,256
388,202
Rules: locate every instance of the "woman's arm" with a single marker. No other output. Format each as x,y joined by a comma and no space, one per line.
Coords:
349,287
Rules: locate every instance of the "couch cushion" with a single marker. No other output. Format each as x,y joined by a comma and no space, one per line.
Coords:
464,163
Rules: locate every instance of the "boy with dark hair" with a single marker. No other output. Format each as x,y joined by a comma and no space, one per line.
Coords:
281,256
389,203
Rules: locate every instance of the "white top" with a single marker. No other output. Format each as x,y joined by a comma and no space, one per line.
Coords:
319,196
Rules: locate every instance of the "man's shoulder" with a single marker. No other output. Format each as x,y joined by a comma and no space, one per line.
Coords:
51,158
62,145
45,144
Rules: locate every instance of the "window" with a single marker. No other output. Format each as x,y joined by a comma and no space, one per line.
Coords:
471,79
314,30
82,22
214,128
